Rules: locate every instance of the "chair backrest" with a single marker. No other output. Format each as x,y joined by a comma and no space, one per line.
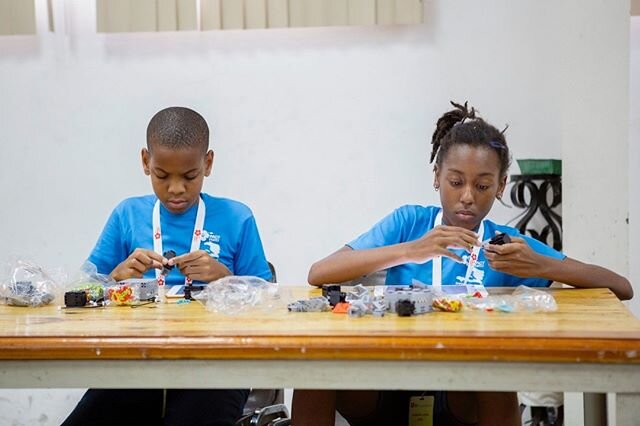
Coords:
273,272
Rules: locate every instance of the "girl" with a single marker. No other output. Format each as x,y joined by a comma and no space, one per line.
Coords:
431,245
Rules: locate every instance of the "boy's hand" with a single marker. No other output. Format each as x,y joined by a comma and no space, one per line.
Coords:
515,258
199,266
439,240
139,262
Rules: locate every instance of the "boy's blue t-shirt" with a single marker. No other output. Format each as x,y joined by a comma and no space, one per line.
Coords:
229,235
408,223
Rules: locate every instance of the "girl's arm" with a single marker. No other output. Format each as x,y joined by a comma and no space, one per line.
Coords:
347,264
517,258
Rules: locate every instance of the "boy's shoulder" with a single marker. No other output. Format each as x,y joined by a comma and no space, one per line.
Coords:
221,205
137,202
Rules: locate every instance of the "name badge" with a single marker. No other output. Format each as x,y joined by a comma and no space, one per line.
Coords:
421,410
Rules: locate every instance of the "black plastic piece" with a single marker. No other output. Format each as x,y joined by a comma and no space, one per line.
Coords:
500,239
189,288
333,294
405,308
75,299
169,254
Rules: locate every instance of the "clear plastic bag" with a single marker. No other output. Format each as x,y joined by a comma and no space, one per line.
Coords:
237,294
28,284
523,299
91,282
131,292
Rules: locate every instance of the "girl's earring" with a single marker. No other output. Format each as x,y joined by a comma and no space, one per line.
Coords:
436,187
499,196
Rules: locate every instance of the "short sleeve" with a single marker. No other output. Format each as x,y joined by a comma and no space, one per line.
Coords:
250,258
110,249
386,232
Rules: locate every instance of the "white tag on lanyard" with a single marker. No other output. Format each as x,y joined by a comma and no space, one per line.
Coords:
436,275
195,240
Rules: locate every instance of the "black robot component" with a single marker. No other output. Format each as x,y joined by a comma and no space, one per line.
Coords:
333,294
75,299
500,239
169,254
405,308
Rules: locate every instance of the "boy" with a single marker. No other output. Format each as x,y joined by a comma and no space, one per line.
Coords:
212,237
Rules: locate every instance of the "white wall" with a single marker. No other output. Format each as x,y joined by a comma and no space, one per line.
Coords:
634,162
320,131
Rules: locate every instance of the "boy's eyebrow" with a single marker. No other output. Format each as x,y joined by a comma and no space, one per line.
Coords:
159,169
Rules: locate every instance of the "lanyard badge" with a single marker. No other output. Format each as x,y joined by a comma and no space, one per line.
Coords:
195,239
436,275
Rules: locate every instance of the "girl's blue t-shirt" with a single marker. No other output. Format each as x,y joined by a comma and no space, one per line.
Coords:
409,223
229,235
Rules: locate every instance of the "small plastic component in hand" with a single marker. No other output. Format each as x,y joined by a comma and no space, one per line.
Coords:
447,304
315,304
405,308
500,239
341,308
169,254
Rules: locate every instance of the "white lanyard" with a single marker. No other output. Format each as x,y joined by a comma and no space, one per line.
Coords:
436,275
157,235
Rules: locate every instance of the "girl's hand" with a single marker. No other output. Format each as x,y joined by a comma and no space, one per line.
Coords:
139,262
199,266
438,241
515,258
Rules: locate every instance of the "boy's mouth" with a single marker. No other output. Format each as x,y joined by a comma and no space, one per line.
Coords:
177,205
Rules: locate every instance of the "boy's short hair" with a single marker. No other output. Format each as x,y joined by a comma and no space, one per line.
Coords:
178,128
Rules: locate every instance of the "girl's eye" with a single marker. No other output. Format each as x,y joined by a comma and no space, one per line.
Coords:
455,183
483,187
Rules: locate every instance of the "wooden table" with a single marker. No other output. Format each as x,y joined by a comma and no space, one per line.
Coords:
591,344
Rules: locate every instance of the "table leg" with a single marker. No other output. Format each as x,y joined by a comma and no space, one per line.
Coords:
628,409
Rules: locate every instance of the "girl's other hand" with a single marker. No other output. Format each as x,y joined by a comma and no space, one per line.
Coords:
514,258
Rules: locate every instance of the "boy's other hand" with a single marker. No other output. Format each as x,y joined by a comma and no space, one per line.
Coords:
200,266
139,262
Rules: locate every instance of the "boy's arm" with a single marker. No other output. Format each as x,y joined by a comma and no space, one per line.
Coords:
519,259
347,264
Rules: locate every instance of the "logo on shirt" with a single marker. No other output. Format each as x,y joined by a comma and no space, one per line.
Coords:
211,243
477,272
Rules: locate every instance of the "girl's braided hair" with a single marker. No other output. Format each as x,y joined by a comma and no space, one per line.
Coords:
462,126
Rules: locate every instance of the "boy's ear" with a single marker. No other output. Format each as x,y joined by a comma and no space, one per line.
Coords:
208,163
145,155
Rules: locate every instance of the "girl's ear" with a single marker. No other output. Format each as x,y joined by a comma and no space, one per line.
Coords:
145,156
501,186
436,176
208,163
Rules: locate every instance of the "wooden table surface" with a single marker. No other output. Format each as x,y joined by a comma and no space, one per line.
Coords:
589,326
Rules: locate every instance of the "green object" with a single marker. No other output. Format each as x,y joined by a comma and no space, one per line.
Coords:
540,167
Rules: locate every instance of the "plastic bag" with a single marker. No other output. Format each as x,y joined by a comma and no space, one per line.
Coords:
88,280
29,284
237,294
131,292
523,299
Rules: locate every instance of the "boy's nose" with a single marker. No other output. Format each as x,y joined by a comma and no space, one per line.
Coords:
176,187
